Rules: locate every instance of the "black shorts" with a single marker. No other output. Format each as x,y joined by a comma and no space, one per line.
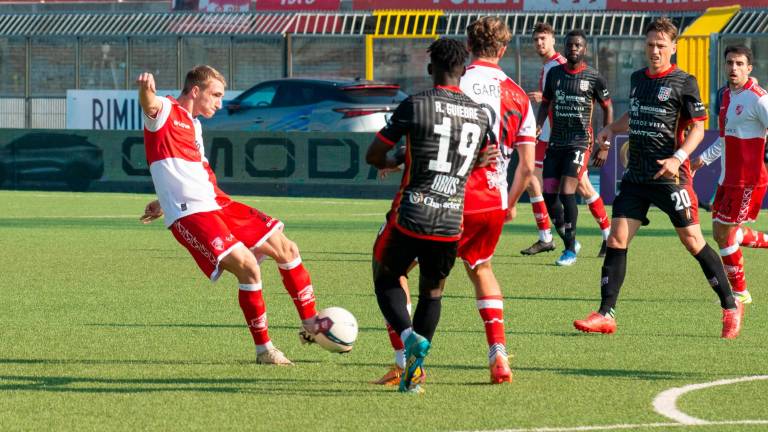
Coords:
679,202
565,162
395,251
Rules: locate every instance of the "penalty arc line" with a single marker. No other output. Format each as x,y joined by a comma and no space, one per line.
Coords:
666,402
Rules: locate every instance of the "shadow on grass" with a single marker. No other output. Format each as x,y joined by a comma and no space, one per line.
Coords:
261,386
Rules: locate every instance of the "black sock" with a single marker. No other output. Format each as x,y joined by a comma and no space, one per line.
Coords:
612,277
555,209
571,212
427,315
392,302
713,270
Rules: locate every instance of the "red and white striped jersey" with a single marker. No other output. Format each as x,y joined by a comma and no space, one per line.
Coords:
556,60
743,121
513,123
184,182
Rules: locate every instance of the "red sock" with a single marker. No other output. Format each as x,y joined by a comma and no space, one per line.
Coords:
540,213
597,208
255,312
394,338
754,239
733,262
299,286
492,312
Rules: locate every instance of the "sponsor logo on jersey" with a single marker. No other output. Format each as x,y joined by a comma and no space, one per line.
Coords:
415,197
181,125
445,185
218,243
739,109
183,206
605,93
664,93
583,85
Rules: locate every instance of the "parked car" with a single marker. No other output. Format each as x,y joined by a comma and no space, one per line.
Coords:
52,157
296,104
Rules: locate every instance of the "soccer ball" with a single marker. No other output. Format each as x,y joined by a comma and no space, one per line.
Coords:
336,329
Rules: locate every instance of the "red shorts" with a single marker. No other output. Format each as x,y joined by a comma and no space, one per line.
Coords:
541,151
737,204
480,236
211,236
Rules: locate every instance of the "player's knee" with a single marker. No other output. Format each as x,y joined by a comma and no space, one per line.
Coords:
286,250
693,243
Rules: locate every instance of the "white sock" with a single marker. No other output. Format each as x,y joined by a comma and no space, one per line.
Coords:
545,235
407,332
400,358
606,233
264,348
409,308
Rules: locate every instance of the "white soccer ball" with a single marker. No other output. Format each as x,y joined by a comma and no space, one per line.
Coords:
336,329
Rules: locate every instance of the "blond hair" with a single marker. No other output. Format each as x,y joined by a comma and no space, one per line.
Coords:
199,76
487,36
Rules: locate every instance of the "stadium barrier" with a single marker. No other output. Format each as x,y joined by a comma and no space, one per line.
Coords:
297,164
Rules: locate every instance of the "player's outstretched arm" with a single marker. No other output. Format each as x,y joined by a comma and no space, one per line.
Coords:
148,100
670,166
151,212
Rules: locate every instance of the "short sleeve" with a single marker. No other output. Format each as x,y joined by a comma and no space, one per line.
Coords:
602,94
548,94
399,124
762,110
154,124
692,107
526,134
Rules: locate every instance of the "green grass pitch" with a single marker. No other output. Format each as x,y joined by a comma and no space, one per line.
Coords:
108,325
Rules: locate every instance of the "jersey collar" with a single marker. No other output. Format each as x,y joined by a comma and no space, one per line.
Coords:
660,74
485,63
574,71
449,88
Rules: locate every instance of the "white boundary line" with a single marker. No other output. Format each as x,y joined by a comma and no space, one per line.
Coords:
665,403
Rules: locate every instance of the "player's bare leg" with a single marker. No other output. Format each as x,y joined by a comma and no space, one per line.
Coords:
597,208
490,304
733,310
245,267
545,243
614,269
728,238
295,277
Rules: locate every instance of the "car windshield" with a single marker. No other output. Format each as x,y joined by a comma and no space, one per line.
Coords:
385,94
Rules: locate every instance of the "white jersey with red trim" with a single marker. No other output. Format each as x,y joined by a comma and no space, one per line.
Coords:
555,60
513,123
184,182
743,120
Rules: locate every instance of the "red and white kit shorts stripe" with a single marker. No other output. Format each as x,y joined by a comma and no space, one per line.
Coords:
211,236
737,204
480,236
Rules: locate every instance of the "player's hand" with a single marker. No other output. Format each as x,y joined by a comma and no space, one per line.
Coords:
605,136
535,96
384,172
489,156
696,164
146,81
511,214
151,212
600,157
669,168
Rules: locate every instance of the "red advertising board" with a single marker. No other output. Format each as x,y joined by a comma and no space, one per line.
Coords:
677,5
298,5
439,4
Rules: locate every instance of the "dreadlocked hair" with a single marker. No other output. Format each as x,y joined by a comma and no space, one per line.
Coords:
449,54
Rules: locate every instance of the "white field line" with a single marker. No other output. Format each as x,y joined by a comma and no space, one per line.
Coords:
665,404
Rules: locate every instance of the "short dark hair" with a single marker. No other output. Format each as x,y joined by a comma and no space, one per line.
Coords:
543,27
663,25
576,33
487,36
739,49
448,54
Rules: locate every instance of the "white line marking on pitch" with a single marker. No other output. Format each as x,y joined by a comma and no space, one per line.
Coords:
666,402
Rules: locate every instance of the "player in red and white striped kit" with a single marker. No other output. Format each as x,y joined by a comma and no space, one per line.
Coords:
219,233
743,120
544,43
